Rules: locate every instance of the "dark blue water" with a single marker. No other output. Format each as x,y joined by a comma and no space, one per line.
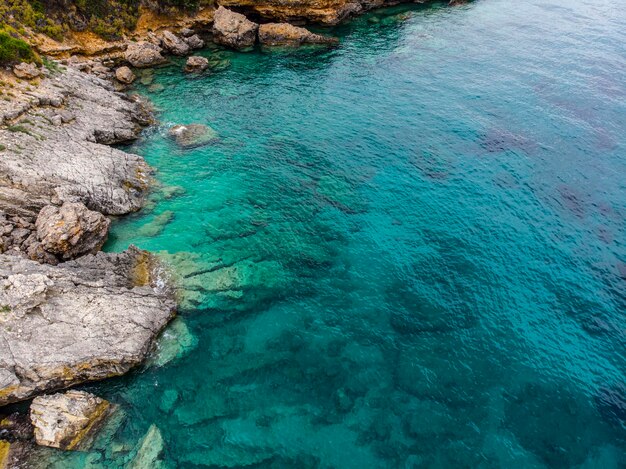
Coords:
407,251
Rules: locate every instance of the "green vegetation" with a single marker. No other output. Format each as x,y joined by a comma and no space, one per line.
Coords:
13,49
2,147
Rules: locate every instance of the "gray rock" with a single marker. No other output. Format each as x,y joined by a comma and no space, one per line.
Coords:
233,29
83,320
193,135
144,54
174,44
186,32
125,75
68,420
46,164
26,71
284,34
71,230
194,42
196,64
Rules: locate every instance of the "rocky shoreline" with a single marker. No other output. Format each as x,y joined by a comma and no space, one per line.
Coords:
70,314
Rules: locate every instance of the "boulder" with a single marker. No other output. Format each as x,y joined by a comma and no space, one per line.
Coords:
233,29
125,75
68,420
186,32
144,54
196,64
174,44
275,34
82,320
26,71
71,230
193,135
194,42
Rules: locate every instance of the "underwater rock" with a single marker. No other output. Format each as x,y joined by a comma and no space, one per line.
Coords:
149,451
125,75
68,420
157,225
285,34
144,54
71,230
175,342
193,135
233,29
174,44
196,64
83,320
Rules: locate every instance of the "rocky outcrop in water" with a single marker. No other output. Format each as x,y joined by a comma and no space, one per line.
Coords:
83,320
193,135
174,44
71,230
125,75
144,54
54,147
68,420
196,64
284,34
233,29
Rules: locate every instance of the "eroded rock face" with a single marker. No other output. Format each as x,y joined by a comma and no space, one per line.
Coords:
71,230
26,71
125,75
313,11
144,54
196,64
233,29
83,320
174,44
65,126
193,135
68,420
284,34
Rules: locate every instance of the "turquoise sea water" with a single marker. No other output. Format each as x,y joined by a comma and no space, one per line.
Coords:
406,251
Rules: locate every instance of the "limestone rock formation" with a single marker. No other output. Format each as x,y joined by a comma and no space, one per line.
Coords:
144,54
26,71
196,64
65,125
83,320
233,29
71,230
194,42
277,34
67,420
313,11
193,135
125,75
174,44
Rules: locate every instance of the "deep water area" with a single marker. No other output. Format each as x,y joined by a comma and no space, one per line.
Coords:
405,251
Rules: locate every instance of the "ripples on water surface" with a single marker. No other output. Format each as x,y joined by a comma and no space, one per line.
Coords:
407,251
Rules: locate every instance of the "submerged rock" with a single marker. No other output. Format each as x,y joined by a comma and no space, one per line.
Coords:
124,75
196,64
193,135
233,29
83,320
275,34
144,54
68,420
149,452
174,44
71,230
175,342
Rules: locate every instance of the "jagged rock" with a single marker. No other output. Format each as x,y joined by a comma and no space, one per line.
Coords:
71,230
313,11
144,54
15,427
174,44
196,64
194,42
83,320
193,135
125,75
26,71
70,163
186,32
274,34
233,29
148,455
67,420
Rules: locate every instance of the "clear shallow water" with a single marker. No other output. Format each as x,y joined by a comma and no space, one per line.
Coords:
407,251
